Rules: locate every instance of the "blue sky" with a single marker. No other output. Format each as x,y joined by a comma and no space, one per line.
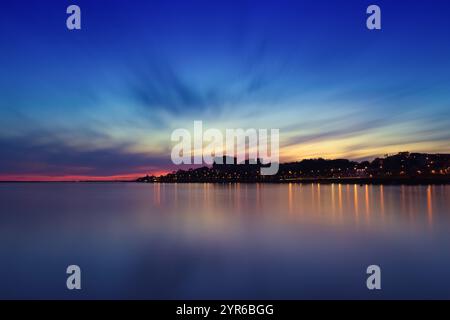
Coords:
103,100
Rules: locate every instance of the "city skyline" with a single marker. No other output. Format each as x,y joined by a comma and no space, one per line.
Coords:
100,103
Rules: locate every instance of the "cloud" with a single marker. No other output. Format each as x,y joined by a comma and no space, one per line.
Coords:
160,87
166,90
323,131
39,154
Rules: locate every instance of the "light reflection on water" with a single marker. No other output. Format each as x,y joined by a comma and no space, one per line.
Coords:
224,240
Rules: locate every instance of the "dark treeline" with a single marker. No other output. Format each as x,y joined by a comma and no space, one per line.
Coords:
403,167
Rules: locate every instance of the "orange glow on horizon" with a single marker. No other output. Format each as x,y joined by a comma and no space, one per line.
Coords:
74,178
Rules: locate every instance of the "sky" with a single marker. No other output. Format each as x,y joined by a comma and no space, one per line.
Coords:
102,102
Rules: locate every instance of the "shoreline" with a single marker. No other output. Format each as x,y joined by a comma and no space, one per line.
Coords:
361,181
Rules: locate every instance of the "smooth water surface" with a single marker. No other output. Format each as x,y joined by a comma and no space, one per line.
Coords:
232,241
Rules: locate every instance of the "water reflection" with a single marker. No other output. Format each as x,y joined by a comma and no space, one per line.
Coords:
228,241
320,202
429,205
355,202
157,193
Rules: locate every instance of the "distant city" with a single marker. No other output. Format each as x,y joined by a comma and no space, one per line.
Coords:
404,167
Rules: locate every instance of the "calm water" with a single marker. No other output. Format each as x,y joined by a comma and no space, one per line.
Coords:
224,241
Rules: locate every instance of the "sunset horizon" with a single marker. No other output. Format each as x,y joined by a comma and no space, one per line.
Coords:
133,176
